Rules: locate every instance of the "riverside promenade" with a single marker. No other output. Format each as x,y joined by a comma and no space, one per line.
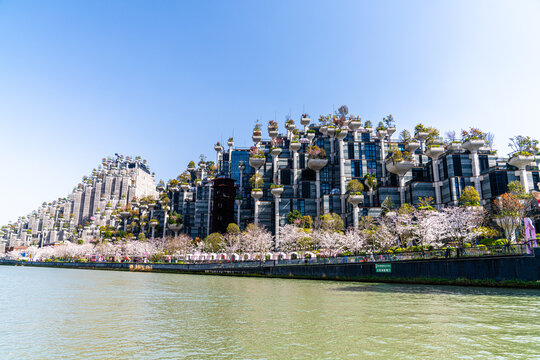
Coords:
511,270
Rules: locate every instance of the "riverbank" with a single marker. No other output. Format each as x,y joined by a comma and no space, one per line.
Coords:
520,271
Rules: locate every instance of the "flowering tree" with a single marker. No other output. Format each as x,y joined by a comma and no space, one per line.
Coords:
430,227
293,238
330,243
458,223
256,240
354,240
508,213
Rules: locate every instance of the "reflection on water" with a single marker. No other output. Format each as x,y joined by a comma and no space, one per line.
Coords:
75,314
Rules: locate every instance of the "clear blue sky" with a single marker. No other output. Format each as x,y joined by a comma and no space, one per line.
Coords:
81,80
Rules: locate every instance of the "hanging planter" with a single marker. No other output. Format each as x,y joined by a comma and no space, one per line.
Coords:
256,194
276,190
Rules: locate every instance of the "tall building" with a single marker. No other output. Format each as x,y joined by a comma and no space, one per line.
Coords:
91,204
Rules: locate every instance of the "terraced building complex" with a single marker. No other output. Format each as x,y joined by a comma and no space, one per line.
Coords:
414,167
308,168
93,203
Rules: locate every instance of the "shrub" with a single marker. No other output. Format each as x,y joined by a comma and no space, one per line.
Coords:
332,222
213,242
232,228
355,187
469,197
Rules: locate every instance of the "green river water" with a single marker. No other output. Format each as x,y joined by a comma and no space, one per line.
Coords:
82,314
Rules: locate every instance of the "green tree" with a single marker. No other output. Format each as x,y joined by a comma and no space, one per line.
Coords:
331,222
233,229
469,197
213,242
355,187
294,215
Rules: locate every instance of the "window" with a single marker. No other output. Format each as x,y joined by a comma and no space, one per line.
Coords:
286,176
484,163
302,206
498,183
456,159
308,174
417,174
351,150
356,168
372,167
306,190
371,151
325,188
320,143
536,179
365,137
325,174
445,168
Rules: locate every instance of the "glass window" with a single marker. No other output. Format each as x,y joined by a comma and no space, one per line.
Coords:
498,183
365,137
484,163
456,159
371,151
372,167
325,173
302,206
356,168
306,190
325,188
351,150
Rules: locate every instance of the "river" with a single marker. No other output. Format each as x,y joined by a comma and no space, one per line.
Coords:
52,313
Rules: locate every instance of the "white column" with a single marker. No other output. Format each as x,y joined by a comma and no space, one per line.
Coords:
402,189
383,156
318,190
276,200
295,173
256,212
524,179
355,216
475,170
435,164
209,209
342,177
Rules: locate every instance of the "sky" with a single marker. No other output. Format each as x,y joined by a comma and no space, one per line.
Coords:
82,80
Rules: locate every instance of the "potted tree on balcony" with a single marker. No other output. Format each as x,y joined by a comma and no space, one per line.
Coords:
452,143
230,142
257,135
256,182
323,121
272,129
316,158
175,222
305,120
256,157
390,124
355,197
354,122
473,139
411,144
524,151
276,189
289,124
381,131
191,166
421,132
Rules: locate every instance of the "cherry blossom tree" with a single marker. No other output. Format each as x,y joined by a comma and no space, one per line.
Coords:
256,240
458,223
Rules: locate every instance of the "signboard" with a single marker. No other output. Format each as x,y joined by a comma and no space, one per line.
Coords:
383,268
